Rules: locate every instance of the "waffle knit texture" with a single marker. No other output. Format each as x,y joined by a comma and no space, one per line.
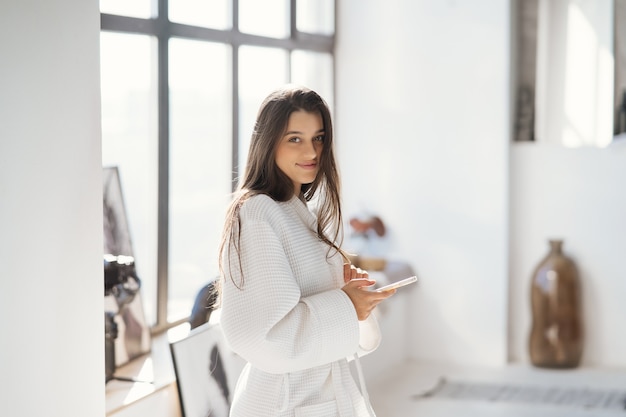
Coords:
290,320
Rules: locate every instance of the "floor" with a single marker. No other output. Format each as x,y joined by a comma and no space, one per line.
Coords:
413,389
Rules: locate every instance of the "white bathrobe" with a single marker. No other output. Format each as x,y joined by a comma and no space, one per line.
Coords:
291,321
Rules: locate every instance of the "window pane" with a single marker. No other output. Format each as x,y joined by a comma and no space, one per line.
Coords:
129,142
261,70
215,14
314,70
316,16
200,166
265,18
135,8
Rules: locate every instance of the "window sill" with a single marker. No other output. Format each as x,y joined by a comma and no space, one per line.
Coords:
153,389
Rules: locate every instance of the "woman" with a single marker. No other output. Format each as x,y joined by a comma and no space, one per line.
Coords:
292,306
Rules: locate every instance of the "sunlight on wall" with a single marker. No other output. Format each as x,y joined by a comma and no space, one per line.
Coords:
587,96
575,73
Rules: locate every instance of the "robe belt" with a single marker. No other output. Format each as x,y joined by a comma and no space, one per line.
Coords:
363,387
344,402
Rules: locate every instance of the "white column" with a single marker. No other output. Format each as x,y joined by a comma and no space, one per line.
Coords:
51,299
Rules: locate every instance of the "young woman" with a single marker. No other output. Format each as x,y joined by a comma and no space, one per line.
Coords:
292,305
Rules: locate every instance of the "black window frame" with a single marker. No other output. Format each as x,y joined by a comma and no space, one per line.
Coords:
162,29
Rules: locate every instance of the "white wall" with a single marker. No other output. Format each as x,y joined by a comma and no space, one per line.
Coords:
577,195
422,99
51,302
422,120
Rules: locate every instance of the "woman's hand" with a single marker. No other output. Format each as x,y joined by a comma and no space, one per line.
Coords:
363,299
351,272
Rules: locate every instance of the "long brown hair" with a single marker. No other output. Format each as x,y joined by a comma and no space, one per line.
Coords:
262,175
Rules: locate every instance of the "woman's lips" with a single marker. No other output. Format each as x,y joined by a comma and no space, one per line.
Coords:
311,165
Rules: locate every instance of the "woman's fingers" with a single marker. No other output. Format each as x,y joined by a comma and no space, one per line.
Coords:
346,272
363,299
352,272
361,282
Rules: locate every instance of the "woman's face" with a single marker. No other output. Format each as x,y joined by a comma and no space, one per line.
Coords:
300,148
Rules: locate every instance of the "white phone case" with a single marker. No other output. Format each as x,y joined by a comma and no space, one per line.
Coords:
398,284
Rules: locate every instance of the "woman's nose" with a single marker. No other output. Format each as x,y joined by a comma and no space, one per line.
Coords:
310,150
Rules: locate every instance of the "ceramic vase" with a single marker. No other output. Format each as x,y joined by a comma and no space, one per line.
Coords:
556,336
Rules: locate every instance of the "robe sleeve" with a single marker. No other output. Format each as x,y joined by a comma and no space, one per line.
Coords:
369,335
268,323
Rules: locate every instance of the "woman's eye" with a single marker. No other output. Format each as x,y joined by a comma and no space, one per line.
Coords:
319,138
294,139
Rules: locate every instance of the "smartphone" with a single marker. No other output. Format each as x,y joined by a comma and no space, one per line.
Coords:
397,284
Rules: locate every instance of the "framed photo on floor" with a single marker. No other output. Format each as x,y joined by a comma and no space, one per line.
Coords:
206,372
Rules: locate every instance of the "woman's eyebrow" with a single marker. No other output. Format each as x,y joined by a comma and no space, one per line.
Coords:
295,132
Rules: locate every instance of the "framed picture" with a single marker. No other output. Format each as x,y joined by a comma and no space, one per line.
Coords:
117,239
206,372
133,333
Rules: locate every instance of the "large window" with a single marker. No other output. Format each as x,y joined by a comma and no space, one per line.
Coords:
181,83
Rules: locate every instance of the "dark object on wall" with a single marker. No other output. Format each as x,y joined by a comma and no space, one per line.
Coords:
620,118
619,59
556,337
525,114
525,71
